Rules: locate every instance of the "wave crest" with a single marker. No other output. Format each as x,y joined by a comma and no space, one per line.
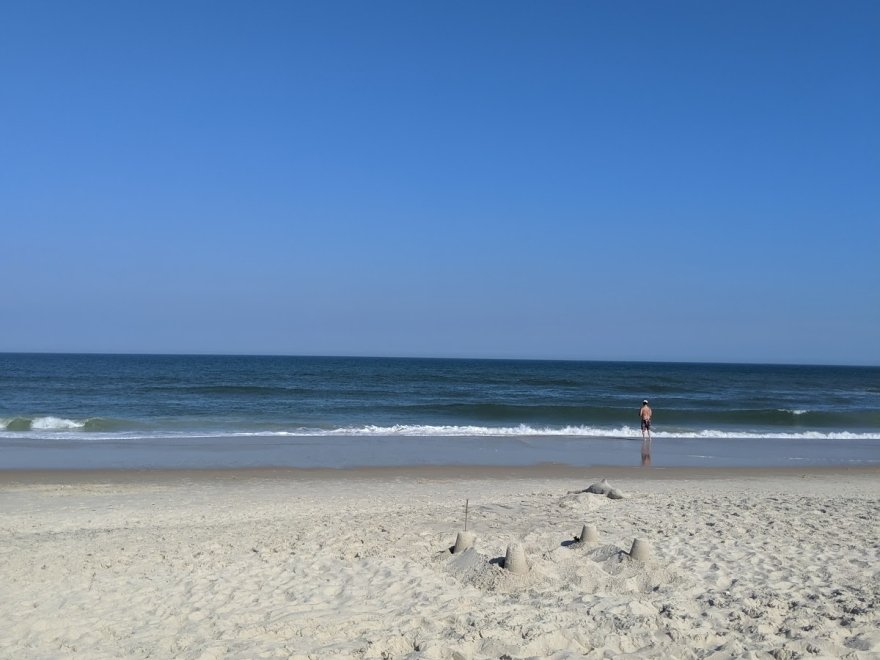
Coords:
419,430
53,423
102,428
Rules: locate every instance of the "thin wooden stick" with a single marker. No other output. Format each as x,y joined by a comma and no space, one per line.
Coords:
465,514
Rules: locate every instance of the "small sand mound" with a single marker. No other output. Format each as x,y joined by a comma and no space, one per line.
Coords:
466,564
489,574
582,501
604,488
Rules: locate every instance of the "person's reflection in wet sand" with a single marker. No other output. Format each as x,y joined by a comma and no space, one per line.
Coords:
646,452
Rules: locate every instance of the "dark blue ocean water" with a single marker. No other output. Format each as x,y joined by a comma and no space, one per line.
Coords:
227,411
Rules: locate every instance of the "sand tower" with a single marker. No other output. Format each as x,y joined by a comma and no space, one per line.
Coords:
515,560
463,541
640,550
589,534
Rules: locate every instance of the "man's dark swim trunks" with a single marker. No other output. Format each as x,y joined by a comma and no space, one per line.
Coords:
646,424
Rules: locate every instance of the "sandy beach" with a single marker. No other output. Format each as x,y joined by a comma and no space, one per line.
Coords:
357,564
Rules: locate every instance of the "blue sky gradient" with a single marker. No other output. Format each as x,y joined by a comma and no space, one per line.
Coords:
695,181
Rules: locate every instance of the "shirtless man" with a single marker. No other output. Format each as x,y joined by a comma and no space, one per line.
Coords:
645,413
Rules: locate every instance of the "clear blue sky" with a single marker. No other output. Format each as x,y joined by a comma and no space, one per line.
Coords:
586,180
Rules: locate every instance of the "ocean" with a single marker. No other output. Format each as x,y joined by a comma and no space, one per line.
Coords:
168,411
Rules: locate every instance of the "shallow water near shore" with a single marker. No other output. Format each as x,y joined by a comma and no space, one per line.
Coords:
234,452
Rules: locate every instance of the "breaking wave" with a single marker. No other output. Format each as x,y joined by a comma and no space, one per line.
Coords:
104,428
421,430
52,423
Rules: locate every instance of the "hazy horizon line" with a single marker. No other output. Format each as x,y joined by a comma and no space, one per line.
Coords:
439,357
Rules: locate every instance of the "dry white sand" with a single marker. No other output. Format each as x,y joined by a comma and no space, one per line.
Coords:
356,564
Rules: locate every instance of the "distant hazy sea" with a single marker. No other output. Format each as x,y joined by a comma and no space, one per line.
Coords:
135,411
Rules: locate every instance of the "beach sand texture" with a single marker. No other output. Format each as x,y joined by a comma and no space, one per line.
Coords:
357,564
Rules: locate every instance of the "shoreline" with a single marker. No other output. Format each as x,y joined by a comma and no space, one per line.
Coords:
549,471
384,452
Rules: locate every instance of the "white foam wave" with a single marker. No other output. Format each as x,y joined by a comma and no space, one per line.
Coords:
48,423
59,428
41,423
418,430
55,424
796,411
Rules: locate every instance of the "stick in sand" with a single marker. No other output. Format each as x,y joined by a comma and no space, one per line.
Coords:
465,539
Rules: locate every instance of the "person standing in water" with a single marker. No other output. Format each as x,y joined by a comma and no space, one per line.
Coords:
645,413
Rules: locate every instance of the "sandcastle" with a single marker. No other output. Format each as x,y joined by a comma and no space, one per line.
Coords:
463,541
589,534
515,560
640,550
